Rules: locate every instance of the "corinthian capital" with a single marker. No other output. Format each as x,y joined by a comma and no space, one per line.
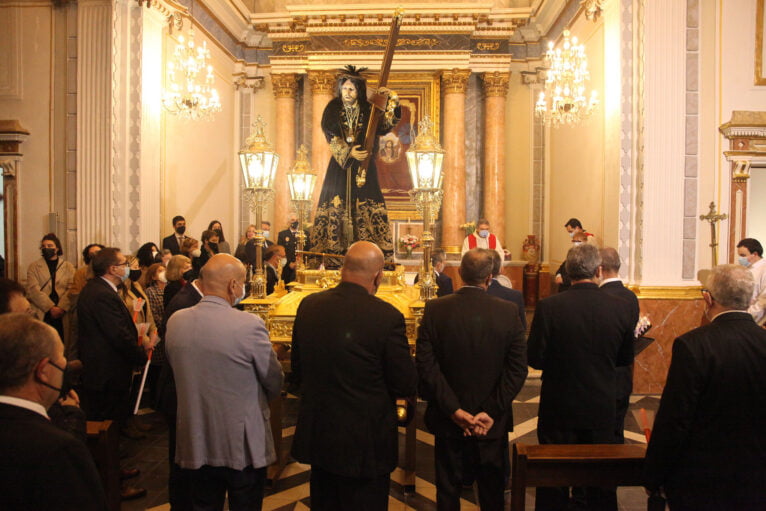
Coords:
455,80
285,85
322,82
495,83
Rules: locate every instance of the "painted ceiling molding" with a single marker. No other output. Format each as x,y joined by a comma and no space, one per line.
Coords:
485,36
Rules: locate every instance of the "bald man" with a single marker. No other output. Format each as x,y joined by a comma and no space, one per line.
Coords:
351,356
226,373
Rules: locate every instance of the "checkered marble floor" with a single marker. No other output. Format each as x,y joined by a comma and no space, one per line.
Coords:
291,491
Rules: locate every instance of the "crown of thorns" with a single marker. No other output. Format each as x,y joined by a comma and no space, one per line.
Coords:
353,72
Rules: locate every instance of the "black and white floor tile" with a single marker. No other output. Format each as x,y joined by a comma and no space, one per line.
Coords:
291,491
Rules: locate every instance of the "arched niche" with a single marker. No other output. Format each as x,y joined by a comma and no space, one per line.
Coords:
11,137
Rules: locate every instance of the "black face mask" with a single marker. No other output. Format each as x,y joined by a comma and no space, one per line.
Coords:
294,225
219,232
60,390
48,253
134,275
181,230
213,246
187,275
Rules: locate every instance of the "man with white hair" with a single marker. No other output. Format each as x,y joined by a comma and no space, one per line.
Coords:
708,446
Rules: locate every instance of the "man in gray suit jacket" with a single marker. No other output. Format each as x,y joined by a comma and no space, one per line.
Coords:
226,373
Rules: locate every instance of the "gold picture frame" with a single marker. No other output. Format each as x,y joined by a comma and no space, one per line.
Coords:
419,94
760,53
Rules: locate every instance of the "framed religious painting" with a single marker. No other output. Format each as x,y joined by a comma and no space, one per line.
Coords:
418,96
760,47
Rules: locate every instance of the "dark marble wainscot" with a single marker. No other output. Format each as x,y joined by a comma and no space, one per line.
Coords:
670,318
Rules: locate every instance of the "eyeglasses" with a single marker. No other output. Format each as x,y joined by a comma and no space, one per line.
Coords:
122,264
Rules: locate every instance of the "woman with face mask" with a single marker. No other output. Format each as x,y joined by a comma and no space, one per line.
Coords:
155,290
240,252
223,245
48,279
209,241
178,274
147,255
131,292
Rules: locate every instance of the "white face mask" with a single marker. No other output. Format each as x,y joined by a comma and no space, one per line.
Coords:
162,278
484,233
126,273
240,297
282,262
154,254
266,234
571,234
196,252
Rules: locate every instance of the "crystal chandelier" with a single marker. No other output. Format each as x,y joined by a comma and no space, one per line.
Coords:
189,91
564,101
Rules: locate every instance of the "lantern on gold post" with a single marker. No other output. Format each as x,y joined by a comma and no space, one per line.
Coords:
259,165
425,159
301,180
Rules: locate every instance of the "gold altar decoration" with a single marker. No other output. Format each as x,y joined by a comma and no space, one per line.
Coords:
278,312
259,165
563,102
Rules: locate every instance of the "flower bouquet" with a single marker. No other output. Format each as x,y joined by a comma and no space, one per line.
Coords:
408,242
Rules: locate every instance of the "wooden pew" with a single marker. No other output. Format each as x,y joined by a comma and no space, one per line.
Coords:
575,465
103,438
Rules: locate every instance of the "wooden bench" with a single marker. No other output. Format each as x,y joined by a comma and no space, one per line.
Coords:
103,441
575,465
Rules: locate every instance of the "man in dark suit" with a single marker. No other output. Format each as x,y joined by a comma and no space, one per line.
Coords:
272,260
179,486
506,293
108,340
708,446
351,358
611,283
443,281
471,358
174,241
41,466
577,339
289,239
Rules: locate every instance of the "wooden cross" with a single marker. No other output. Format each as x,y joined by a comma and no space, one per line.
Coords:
713,217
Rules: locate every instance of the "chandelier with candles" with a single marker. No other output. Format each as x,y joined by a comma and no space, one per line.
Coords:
189,91
563,101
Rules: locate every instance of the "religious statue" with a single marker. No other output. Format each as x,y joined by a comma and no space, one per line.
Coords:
351,205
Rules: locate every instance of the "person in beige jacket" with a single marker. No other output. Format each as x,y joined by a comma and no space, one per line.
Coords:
48,281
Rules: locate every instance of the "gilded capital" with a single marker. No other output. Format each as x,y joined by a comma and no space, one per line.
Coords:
285,85
322,82
495,83
455,80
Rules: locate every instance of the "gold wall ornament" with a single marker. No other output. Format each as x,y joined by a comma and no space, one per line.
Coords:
293,48
592,9
285,85
488,46
495,84
455,80
741,170
381,42
322,82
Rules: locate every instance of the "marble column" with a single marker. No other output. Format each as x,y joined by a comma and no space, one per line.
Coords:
94,114
454,84
322,91
495,90
285,88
